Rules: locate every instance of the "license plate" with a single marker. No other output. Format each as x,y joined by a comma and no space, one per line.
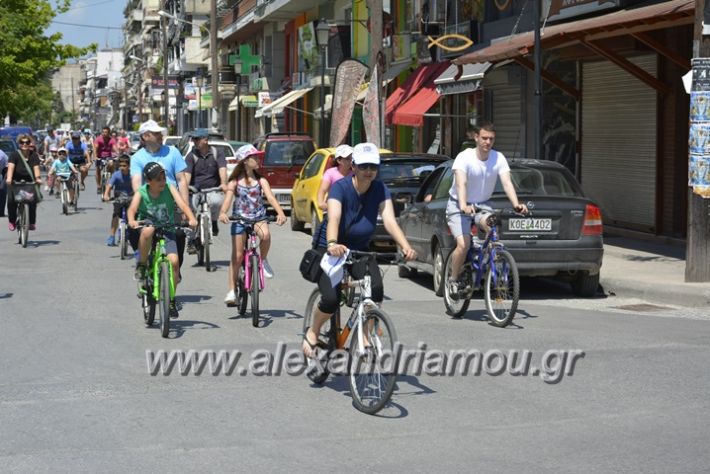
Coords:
284,198
530,224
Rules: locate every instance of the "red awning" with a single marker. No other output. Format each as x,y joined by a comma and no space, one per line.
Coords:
411,113
423,76
622,22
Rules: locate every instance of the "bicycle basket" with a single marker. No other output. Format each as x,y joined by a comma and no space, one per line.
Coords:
25,193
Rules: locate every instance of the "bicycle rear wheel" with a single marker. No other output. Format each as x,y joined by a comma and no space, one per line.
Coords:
65,200
164,302
456,305
24,224
502,289
373,370
254,290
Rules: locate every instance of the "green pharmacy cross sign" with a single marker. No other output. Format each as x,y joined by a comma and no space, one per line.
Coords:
248,60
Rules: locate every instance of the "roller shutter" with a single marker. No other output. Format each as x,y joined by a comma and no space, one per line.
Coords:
619,142
503,92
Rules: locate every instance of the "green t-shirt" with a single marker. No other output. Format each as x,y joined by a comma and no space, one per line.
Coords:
160,210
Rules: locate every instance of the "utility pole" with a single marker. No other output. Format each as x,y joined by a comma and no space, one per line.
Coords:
73,107
697,255
166,89
375,7
537,98
216,115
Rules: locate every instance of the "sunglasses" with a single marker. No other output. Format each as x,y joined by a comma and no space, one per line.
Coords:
62,152
368,166
24,142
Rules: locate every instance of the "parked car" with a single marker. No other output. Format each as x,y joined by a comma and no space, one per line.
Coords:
8,146
172,140
135,140
304,196
284,154
15,131
561,236
220,146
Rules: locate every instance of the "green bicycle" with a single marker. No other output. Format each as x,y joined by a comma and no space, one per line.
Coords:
159,286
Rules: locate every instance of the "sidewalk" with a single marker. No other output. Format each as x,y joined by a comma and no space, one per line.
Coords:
654,272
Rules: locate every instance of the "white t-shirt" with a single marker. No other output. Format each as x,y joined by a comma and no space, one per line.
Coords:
481,176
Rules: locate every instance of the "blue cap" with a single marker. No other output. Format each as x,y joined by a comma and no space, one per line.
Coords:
200,133
76,134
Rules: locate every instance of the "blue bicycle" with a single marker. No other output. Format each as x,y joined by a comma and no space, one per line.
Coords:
491,267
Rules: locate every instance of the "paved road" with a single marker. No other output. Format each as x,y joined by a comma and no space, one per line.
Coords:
75,394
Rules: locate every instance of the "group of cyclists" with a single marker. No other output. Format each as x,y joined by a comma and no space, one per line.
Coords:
158,180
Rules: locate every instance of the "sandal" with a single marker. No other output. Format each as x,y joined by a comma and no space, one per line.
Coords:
312,346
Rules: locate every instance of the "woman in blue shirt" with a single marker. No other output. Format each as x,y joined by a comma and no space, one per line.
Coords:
353,205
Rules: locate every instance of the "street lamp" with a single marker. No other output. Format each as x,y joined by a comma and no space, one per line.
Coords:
139,82
322,34
199,81
238,71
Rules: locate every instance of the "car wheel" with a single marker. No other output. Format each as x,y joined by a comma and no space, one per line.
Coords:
405,272
295,223
585,285
438,274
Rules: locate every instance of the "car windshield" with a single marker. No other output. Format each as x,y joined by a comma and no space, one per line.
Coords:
540,182
288,152
405,170
7,146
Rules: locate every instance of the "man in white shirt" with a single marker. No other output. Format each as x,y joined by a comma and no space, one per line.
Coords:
476,171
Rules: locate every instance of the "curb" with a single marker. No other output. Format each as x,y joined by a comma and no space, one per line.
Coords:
679,294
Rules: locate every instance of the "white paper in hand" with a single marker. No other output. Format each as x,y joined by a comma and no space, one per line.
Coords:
333,267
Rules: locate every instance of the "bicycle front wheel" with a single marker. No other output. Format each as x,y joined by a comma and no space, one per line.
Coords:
373,365
456,303
254,290
206,227
24,224
164,302
65,200
123,240
148,306
502,289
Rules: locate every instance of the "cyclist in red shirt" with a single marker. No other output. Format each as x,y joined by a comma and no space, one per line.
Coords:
103,154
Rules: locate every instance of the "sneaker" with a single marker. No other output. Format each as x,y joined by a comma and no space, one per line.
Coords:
139,273
173,311
453,289
46,188
51,192
215,228
32,227
98,190
231,298
83,187
268,271
191,249
111,241
11,226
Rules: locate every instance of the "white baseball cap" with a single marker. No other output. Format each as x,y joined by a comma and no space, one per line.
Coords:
246,151
150,126
343,151
366,153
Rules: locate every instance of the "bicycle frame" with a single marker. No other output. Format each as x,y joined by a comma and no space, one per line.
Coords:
252,246
486,255
357,316
158,256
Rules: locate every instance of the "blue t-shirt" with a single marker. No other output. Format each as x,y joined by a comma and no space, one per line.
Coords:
61,167
76,154
168,156
121,184
358,218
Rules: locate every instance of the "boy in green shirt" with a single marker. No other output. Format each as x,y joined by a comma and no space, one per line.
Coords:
156,201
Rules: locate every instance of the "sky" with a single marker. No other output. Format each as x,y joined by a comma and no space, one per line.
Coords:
91,13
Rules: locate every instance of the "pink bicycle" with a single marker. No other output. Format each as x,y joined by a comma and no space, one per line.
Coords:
251,278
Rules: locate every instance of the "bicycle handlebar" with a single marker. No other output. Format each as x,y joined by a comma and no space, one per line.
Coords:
394,257
194,190
246,220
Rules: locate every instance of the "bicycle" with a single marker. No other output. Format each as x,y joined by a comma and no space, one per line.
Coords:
65,181
159,287
204,226
25,194
489,266
102,167
124,201
370,390
251,279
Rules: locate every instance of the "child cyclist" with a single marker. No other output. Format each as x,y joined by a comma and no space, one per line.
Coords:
120,184
247,188
61,167
156,201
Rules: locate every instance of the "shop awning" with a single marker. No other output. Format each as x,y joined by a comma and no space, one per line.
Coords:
471,79
277,106
420,77
246,100
411,113
623,22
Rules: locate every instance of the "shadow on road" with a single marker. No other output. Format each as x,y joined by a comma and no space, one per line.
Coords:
178,326
6,295
41,243
192,298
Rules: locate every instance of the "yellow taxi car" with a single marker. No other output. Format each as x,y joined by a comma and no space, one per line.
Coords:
304,195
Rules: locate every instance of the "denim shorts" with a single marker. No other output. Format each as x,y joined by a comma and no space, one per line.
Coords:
237,228
460,224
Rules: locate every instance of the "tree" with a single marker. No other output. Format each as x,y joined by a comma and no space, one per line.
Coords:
28,55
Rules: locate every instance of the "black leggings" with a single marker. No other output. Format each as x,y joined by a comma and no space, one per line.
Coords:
330,297
134,236
12,209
